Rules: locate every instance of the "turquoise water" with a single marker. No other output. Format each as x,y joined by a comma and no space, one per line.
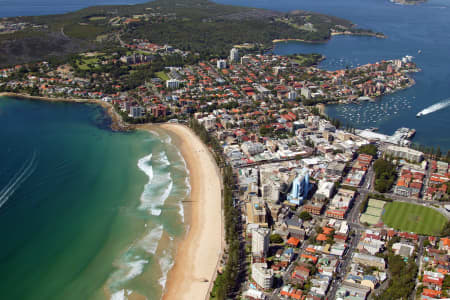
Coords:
84,212
409,29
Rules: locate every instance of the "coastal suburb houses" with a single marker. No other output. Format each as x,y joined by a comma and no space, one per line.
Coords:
312,219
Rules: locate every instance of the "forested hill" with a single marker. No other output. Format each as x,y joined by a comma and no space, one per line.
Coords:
201,26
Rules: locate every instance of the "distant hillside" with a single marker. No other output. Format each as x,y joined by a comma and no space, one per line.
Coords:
193,25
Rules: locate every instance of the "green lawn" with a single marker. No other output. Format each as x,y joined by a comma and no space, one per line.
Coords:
98,18
413,218
162,75
87,63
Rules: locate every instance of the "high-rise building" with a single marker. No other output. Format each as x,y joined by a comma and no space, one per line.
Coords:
300,188
234,55
262,275
260,242
256,211
221,64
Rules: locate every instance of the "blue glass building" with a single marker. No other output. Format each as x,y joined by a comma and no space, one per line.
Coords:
300,188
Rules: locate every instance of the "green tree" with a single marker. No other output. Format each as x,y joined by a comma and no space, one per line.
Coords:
368,149
276,238
305,216
446,229
385,173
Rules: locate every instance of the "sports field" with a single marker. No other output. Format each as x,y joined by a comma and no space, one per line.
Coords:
413,218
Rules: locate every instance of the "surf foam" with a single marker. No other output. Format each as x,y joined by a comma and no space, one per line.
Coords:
152,199
164,159
134,268
120,295
145,167
166,263
150,242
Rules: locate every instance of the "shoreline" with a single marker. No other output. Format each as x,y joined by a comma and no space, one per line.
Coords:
117,123
276,41
200,250
332,34
196,262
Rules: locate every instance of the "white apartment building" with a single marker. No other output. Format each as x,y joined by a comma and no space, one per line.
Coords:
260,242
172,84
221,64
234,55
404,152
262,275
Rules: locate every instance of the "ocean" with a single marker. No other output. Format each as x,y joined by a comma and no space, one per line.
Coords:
85,213
424,27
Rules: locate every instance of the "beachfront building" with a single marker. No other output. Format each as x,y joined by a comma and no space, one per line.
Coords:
260,242
262,276
158,110
405,153
256,212
300,188
136,111
208,122
250,148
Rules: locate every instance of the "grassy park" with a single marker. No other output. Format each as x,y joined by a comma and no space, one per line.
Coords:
413,218
162,75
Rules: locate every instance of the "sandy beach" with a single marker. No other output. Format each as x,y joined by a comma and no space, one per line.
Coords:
198,254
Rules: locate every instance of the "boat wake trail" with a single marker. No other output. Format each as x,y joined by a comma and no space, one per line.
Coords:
434,107
25,171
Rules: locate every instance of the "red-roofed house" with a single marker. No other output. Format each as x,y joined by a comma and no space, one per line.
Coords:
431,293
292,241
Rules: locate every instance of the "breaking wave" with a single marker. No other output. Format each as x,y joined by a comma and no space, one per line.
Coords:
150,242
166,263
145,167
120,295
129,266
160,183
132,263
